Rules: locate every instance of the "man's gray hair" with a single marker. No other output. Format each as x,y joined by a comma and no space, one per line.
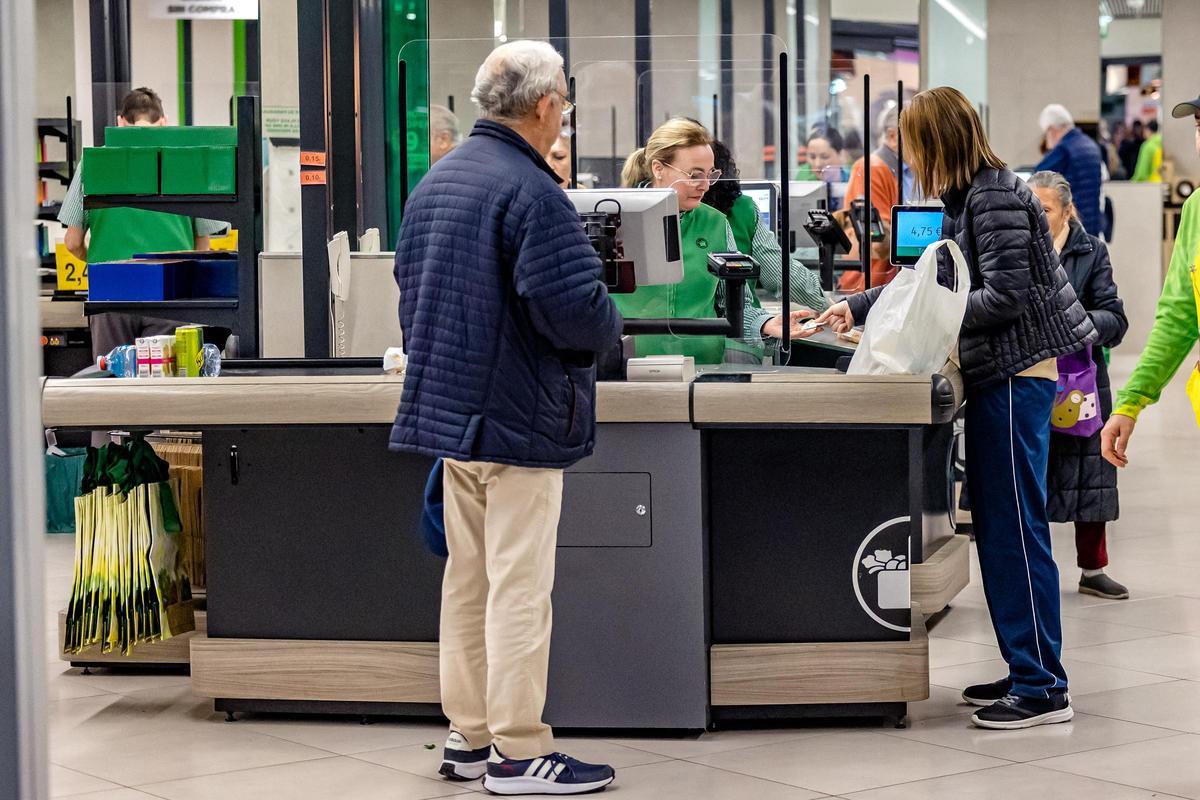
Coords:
1047,179
1055,116
889,119
443,120
514,77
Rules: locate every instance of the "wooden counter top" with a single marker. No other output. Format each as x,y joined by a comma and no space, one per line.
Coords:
372,400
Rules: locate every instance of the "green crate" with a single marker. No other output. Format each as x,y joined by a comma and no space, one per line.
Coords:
120,170
199,170
171,136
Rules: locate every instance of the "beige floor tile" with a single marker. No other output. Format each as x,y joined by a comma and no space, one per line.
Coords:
346,735
1174,705
120,793
152,757
943,702
683,780
125,681
79,722
70,685
1168,765
1085,677
972,624
950,652
1005,783
848,762
717,741
1167,614
1082,733
339,777
65,781
1174,656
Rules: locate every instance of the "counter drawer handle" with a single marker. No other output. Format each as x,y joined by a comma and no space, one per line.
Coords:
234,467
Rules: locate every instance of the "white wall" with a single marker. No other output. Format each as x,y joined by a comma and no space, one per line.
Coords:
1132,37
895,11
954,48
55,57
1039,53
1181,80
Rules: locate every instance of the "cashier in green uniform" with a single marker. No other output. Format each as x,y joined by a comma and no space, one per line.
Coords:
679,155
120,233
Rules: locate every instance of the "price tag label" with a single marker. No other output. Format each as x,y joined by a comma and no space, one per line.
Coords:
312,177
72,273
311,158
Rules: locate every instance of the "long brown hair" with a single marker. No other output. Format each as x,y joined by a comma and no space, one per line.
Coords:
944,140
669,138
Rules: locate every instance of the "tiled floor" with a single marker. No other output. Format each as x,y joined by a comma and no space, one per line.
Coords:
1134,668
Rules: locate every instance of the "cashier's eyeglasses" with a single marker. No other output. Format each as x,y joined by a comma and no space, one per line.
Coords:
696,176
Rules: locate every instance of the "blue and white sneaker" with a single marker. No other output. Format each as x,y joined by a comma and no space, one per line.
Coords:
460,762
552,774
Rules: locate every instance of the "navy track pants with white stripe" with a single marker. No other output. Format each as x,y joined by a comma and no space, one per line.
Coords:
1008,443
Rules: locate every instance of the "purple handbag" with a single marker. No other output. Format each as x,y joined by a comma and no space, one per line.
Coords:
1076,409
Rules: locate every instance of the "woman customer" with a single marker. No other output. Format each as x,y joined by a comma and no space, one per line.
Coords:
1021,314
679,156
824,163
1081,485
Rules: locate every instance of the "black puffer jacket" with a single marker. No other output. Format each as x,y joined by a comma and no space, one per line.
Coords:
1082,486
1021,309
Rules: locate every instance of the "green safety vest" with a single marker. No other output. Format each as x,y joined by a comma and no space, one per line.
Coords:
743,220
121,233
702,231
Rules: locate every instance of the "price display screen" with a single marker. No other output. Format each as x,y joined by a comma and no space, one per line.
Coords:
914,229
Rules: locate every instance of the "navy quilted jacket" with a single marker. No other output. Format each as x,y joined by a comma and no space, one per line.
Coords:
503,307
1021,309
1077,158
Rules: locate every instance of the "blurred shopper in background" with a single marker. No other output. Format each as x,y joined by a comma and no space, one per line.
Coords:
444,135
559,159
1176,324
1150,157
1021,314
1128,147
1081,485
1076,157
824,148
885,168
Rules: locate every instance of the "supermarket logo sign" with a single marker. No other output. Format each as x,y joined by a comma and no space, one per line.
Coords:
220,9
881,573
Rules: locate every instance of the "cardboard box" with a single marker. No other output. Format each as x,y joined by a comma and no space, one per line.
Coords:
120,170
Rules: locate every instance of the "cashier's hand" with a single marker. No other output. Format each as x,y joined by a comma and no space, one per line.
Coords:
1115,438
838,317
773,328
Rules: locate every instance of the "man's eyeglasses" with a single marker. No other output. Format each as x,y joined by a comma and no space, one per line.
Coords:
567,105
696,175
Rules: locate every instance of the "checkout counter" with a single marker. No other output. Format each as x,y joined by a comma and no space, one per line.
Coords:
721,555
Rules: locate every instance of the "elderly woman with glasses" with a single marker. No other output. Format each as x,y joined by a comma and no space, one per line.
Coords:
679,156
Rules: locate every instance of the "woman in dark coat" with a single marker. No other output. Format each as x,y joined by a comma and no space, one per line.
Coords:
1082,486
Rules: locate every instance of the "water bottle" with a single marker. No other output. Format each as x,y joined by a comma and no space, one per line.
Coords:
210,358
121,362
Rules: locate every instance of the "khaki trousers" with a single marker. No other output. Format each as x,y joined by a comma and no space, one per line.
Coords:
501,531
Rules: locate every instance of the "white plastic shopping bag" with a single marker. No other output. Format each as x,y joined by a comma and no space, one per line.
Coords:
914,324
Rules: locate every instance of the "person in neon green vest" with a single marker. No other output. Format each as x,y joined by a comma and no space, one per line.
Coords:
120,233
679,156
1150,157
1176,327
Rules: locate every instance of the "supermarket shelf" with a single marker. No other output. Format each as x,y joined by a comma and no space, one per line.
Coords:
208,311
223,207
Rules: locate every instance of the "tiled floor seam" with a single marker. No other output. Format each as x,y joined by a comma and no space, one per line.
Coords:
1075,656
1155,792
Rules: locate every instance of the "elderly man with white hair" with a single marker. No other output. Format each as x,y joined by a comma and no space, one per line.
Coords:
503,307
1076,157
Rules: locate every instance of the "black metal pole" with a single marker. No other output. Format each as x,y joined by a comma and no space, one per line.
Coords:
725,32
70,141
574,135
899,144
785,207
314,197
642,56
864,247
716,116
616,168
769,166
402,99
559,25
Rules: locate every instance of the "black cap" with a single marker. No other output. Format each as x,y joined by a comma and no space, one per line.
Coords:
1186,109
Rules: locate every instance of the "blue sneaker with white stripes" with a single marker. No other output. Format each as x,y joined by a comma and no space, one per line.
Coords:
551,774
460,762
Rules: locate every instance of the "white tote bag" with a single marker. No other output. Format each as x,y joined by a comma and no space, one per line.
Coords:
914,324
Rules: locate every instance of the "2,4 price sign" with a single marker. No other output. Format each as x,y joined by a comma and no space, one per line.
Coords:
72,273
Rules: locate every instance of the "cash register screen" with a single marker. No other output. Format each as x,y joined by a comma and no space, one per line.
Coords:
914,229
764,201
